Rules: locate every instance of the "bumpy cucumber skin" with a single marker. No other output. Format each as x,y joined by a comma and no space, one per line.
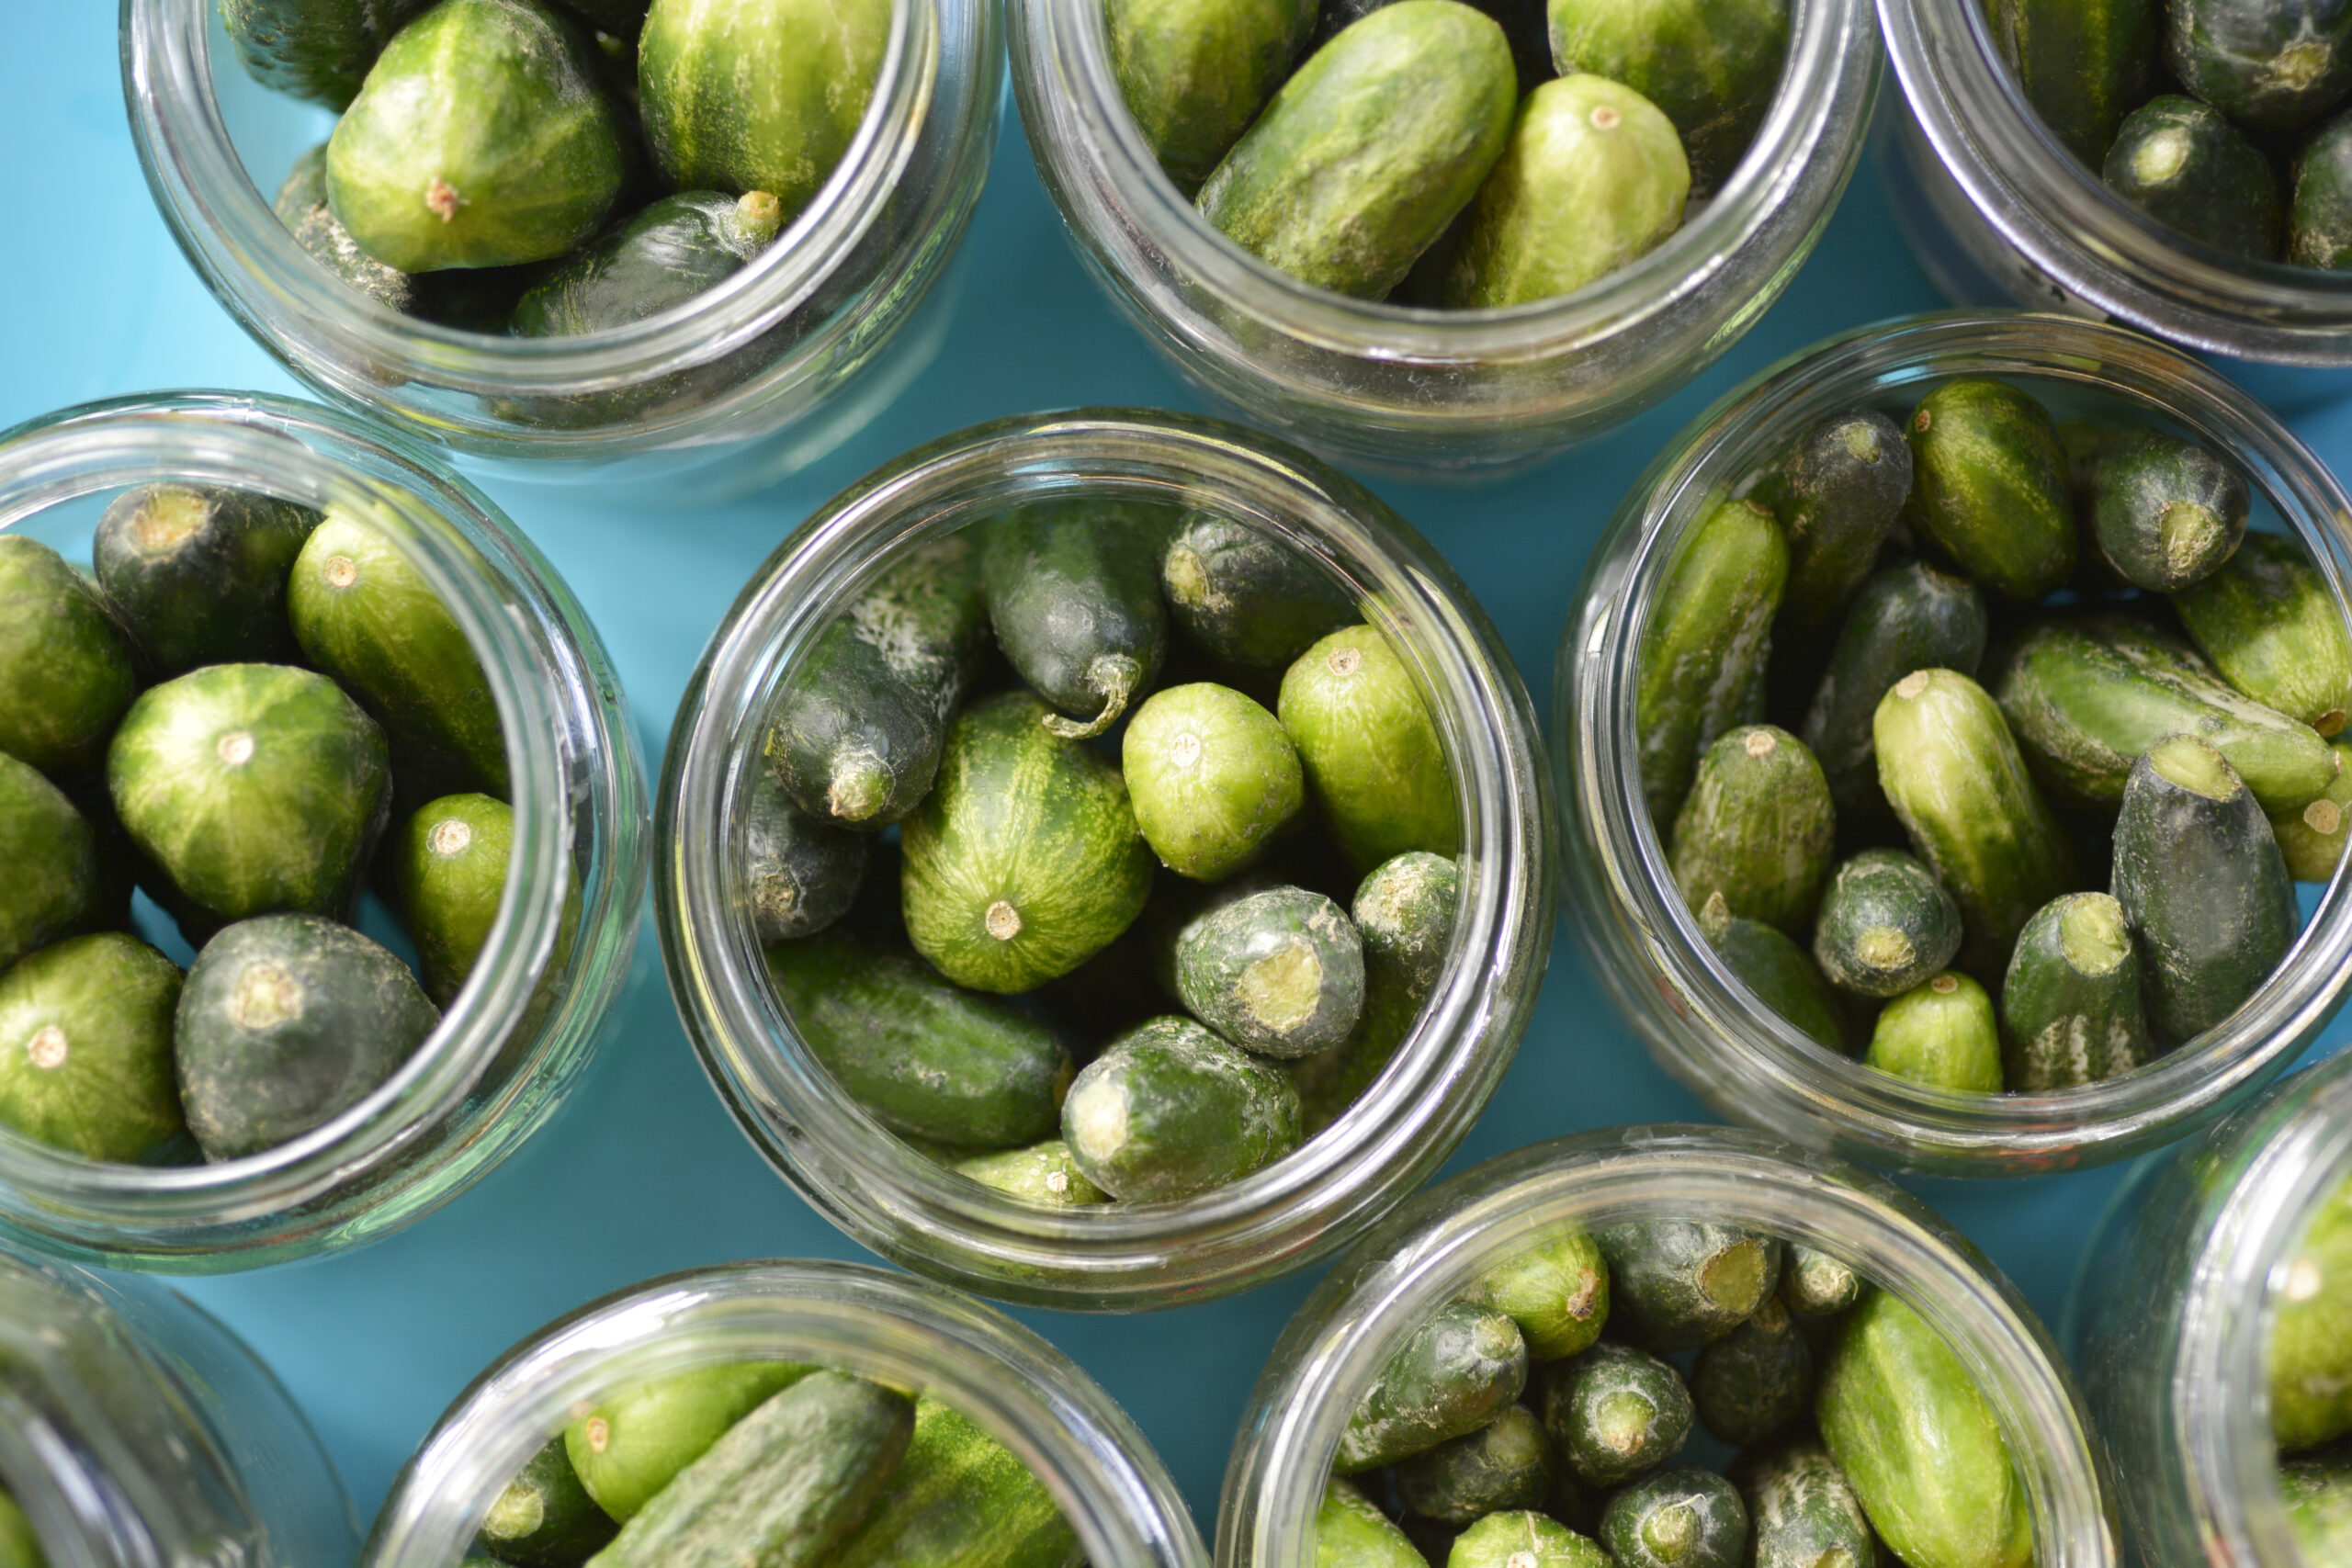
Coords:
1454,1374
55,885
1713,70
2318,1489
2167,512
199,572
1756,1380
2084,65
2319,212
301,205
1557,1291
545,1519
1364,155
1044,1174
802,872
1370,749
1922,1451
1767,963
67,669
920,1054
1836,494
2312,836
1168,1110
1815,1285
2192,171
1505,1464
287,1021
1521,1538
1247,598
654,260
2271,626
2206,890
2071,1013
961,1499
1613,1412
1404,913
1244,966
1907,617
316,50
1212,776
1591,179
1758,827
19,1547
1990,485
1677,1518
1075,600
2272,66
86,1047
1676,1284
1943,1034
630,1445
2310,1347
1801,1510
1704,649
1885,925
1351,1532
1194,75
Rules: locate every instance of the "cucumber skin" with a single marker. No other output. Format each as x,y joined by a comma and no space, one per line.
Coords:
1713,70
1990,487
2083,65
1557,1291
1945,1038
1677,1284
1351,1532
2139,483
1767,963
1815,1285
1456,1374
1219,951
2223,193
1755,1380
655,259
2312,838
315,50
1194,75
19,1547
2062,1027
301,205
1212,776
1404,913
2319,210
1801,1510
1361,158
1703,648
123,992
1758,827
960,1499
2311,1346
219,598
570,1528
1722,1520
1907,617
1879,892
2318,1489
653,1430
1248,599
2271,626
1505,1464
1168,1110
1370,751
921,1055
1837,493
2230,54
1042,1174
1517,1537
802,872
67,669
55,886
1576,1390
1075,600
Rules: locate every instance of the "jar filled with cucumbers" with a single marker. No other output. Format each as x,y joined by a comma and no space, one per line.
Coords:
1664,1347
1107,859
1952,725
603,241
825,1415
325,830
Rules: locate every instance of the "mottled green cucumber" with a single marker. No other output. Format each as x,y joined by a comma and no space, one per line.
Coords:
301,205
1364,155
2167,511
1942,1035
19,1547
2071,1011
1815,1285
67,671
199,572
2268,64
1505,1464
1703,648
86,1047
1212,776
654,260
56,883
2272,626
630,1445
1521,1538
1837,493
1248,598
1074,596
961,1499
800,873
1278,971
1676,1284
2200,878
1802,1511
2310,1345
1454,1374
1044,1174
2318,1490
544,1517
2189,168
1765,960
1351,1532
1613,1412
1756,1380
1757,828
1885,925
1194,75
1714,72
2319,208
1168,1110
1677,1518
1913,617
2083,65
2311,837
317,50
1370,749
1557,1291
1990,485
1404,915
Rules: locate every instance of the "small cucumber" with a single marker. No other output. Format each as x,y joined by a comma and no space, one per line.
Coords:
1247,598
1212,776
1456,1374
802,872
1614,1412
1704,649
1072,596
1044,1174
56,882
67,671
19,1547
961,1499
449,866
1921,1448
631,1444
1279,971
1951,771
2311,1346
1557,1291
86,1047
1757,828
1756,1380
1713,71
1907,617
1505,1464
2318,1490
654,260
2168,513
1886,924
1837,493
316,50
2311,838
287,1021
1521,1538
544,1517
1194,75
921,1055
1815,1285
2268,64
1676,1284
1677,1518
1802,1511
2071,1013
2319,210
1351,1532
1942,1035
301,205
199,572
2200,878
1364,155
1168,1110
2194,173
1024,861
2271,625
1369,747
1404,913
2083,65
1767,963
1990,485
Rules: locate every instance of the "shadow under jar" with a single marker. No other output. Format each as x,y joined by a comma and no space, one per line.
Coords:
513,1041
1431,1250
135,1430
1417,392
754,379
1123,1256
1714,1033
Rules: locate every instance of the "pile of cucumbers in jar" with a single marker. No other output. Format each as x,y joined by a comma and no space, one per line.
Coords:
2310,1381
1536,1420
1442,155
2229,121
1910,702
778,1463
1224,919
249,711
553,167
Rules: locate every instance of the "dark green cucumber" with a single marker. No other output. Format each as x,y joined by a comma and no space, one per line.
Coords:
1757,828
2180,163
1885,925
1614,1412
2318,1491
629,1446
1756,1380
317,49
1677,1518
2200,878
55,884
301,205
1248,598
782,1489
2167,511
1802,1511
2319,209
1194,75
861,718
1815,1285
654,260
2311,1392
1042,1174
2083,65
1951,771
2270,66
2271,625
1212,776
1521,1538
1364,155
1024,861
1907,617
1073,593
199,572
1676,1284
1767,963
287,1021
801,873
1921,1448
1942,1035
1557,1291
921,1055
1714,72
961,1499
86,1047
1454,1375
544,1517
1370,749
1351,1532
1990,487
2071,1013
1279,971
1505,1464
67,671
1705,646
1168,1110
252,788
1837,493
19,1547
2312,838
1404,913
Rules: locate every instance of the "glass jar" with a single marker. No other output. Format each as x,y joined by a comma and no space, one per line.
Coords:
1121,1257
1426,393
752,381
1645,944
489,1075
2171,1319
135,1430
1027,1396
1428,1251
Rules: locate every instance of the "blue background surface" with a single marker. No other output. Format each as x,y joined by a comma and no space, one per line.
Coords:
642,1172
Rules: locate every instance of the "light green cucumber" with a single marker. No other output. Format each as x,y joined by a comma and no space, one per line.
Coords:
1767,963
86,1047
1990,485
1505,1464
1885,925
1756,1380
1557,1291
67,669
1044,1174
1713,71
1676,1284
2311,1346
2071,1013
56,883
1194,75
1278,971
1677,1518
1703,648
2167,512
1454,1375
1907,617
1613,1412
1351,1532
632,1443
2311,837
1756,828
1521,1538
1369,747
1942,1035
1212,776
2318,1490
544,1517
1169,1109
2272,626
1404,913
960,1499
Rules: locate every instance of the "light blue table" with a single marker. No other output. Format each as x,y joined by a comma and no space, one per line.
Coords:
644,1173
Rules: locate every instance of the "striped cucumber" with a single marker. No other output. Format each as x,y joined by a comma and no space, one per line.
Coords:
2271,625
1756,828
2167,512
1704,649
1990,487
960,1499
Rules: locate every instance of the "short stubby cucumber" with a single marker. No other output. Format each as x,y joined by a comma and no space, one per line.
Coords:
1369,747
800,873
1044,1174
632,1443
1168,1110
2071,1011
1677,1518
2272,626
55,885
67,669
1073,595
1757,828
1212,776
199,572
1943,1034
2310,1372
2312,836
86,1047
1885,925
1614,1412
1913,617
1194,75
2168,513
1248,600
544,1517
1838,492
960,1499
301,205
1454,1375
1713,70
317,50
449,866
2194,173
1802,1511
1404,913
1279,971
1521,1538
1815,1285
1765,960
2319,209
1505,1464
1557,1291
1676,1284
1756,1380
1990,485
1351,1532
654,260
1703,648
2273,65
